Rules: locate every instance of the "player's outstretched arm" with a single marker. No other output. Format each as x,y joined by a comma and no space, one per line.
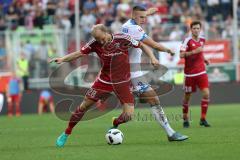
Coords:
150,42
67,58
150,54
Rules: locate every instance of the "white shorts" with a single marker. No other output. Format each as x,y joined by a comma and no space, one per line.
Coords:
140,85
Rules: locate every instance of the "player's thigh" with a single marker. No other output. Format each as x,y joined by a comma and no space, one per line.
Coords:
124,93
140,85
87,103
150,96
189,85
202,82
98,91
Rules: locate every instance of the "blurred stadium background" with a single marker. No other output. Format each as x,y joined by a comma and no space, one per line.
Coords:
43,29
37,30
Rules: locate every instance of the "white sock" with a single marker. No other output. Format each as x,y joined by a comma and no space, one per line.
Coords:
161,118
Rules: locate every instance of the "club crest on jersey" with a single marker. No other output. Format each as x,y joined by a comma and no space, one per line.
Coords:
193,45
201,43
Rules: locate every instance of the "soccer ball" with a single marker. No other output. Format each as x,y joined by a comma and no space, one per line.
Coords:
114,136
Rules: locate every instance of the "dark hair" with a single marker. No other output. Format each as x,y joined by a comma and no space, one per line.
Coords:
139,8
195,23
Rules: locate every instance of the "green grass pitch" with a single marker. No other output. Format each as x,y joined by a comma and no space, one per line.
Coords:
33,137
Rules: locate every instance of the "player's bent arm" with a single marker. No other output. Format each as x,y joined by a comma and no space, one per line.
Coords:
184,54
150,42
150,54
147,51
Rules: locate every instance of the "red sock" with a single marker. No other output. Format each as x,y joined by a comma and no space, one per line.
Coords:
10,108
185,110
123,118
75,118
204,107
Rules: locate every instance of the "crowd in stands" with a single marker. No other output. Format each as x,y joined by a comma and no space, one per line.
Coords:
112,13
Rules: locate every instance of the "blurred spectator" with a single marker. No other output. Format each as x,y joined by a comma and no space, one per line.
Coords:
13,95
89,5
12,17
226,8
213,32
212,9
87,21
3,26
28,49
179,77
38,19
52,53
102,5
45,101
154,20
117,24
176,34
227,32
42,56
196,10
3,56
23,70
176,12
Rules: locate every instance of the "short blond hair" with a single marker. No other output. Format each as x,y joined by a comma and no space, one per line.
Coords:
99,27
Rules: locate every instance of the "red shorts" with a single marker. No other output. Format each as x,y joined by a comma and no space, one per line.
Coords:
43,101
101,91
15,98
191,83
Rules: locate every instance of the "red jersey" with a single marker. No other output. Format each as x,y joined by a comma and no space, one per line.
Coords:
194,64
114,58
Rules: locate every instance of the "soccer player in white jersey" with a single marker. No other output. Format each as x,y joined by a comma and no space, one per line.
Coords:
133,28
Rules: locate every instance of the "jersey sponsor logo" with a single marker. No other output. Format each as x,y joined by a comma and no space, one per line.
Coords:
113,54
201,43
193,45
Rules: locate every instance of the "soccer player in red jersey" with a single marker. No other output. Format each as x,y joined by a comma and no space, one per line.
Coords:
113,77
195,72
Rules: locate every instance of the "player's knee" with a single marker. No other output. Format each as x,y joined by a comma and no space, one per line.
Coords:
153,101
206,94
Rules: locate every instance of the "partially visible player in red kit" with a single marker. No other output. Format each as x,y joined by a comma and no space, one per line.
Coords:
113,77
195,72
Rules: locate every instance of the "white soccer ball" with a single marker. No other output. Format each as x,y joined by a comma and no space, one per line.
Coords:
114,136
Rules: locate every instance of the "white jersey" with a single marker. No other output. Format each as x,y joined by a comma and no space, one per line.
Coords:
136,32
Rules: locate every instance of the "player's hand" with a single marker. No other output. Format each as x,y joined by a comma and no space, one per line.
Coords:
171,52
198,50
207,62
56,60
155,63
152,11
